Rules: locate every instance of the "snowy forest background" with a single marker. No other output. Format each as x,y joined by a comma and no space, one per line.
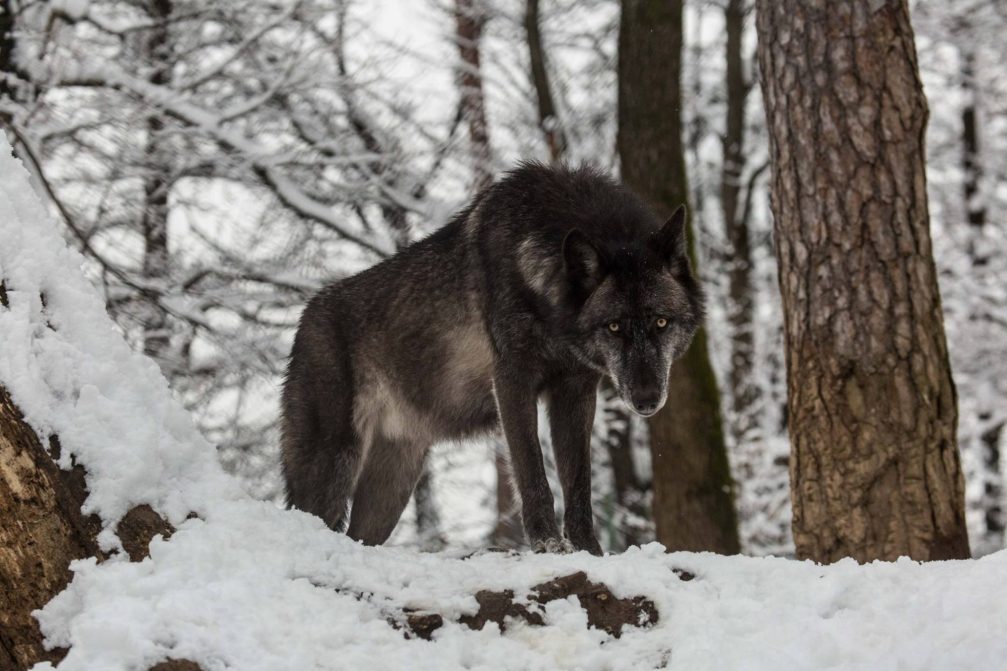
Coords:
217,161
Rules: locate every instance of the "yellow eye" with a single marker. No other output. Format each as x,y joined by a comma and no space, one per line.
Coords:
614,327
661,322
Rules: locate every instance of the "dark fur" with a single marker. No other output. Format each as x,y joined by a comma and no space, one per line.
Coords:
509,302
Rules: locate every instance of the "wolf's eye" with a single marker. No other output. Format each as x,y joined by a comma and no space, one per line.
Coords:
661,322
614,327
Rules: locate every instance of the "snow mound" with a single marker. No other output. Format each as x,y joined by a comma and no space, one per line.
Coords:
249,586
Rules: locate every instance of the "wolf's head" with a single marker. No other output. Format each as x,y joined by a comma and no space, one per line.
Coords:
637,308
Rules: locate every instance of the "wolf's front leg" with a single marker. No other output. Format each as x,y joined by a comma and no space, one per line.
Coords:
571,404
516,400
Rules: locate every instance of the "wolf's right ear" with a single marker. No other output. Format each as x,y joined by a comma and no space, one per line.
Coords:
582,261
670,241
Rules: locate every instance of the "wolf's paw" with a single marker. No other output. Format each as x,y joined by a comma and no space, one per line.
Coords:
559,546
589,543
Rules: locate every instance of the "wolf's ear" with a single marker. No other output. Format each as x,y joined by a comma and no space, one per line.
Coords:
670,241
582,261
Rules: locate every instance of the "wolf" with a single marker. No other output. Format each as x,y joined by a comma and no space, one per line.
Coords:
550,279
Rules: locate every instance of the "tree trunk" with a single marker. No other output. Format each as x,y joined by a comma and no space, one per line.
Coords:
41,531
156,186
693,503
548,119
744,392
469,21
875,471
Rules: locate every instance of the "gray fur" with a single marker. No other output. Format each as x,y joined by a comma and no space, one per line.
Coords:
465,330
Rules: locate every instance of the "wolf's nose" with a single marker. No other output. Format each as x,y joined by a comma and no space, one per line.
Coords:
646,405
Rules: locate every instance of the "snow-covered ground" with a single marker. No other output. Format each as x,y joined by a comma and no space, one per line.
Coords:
249,586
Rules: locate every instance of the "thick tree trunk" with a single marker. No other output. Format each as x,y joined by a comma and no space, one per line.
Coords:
744,392
875,470
693,503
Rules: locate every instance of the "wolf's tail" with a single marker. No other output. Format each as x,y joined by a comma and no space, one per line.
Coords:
321,451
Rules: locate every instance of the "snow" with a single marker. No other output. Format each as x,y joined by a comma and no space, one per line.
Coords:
247,585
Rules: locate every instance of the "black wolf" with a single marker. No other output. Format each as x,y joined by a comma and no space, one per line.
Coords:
549,279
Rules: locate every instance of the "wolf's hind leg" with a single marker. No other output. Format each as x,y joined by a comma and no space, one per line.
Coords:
384,487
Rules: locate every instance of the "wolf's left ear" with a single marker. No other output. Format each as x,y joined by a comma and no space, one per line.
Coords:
670,241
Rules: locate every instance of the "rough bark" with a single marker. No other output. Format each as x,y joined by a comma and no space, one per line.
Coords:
548,118
693,502
875,469
744,392
41,532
